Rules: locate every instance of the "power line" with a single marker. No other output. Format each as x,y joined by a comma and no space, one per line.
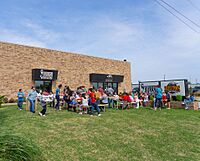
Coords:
176,16
194,23
197,8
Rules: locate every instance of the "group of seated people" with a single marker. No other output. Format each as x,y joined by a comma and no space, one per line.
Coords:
81,99
87,101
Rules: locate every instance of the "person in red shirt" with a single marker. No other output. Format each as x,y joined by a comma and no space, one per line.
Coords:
93,102
164,99
125,100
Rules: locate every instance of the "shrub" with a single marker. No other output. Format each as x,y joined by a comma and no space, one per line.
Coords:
151,98
179,98
12,100
1,100
5,99
13,147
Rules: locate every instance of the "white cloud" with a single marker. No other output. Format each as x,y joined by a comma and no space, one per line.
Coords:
13,36
154,41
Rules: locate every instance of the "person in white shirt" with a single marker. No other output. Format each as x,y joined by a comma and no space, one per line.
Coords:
84,104
45,97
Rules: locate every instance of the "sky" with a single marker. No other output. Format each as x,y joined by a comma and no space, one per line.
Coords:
155,42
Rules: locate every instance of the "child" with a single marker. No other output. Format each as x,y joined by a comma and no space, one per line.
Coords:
52,97
136,100
73,102
164,99
84,106
168,100
44,99
20,96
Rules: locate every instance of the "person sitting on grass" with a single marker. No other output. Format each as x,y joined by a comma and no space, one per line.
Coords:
20,100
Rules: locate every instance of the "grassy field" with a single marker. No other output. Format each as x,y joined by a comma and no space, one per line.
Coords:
134,134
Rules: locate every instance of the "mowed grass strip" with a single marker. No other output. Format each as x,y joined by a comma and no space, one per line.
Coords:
134,134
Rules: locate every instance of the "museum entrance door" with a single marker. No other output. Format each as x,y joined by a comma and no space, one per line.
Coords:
43,85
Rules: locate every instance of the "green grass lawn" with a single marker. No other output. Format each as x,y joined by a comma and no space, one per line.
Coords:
134,134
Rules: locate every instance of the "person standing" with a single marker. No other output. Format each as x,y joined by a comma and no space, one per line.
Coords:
52,97
94,104
158,95
20,96
109,92
32,97
58,97
168,100
45,97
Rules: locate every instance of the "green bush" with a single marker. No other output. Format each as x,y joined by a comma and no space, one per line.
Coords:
179,98
151,98
13,148
5,100
12,100
1,100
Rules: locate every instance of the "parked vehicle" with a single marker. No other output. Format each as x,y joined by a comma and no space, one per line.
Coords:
196,89
174,86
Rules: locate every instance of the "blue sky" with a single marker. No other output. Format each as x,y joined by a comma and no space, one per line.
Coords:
141,31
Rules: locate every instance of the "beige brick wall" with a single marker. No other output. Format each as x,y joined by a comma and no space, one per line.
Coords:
17,62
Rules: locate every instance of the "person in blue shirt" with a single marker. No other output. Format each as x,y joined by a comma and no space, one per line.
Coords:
20,100
32,97
189,99
158,97
58,97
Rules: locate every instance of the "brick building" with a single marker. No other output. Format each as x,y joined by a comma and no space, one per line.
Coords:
23,66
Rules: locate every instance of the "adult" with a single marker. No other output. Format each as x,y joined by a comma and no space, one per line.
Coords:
67,94
31,98
189,99
58,97
104,99
100,89
158,97
98,96
109,92
20,100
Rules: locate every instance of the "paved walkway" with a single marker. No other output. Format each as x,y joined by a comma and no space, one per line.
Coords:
10,104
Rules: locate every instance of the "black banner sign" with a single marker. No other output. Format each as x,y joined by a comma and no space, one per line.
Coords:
106,78
44,74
